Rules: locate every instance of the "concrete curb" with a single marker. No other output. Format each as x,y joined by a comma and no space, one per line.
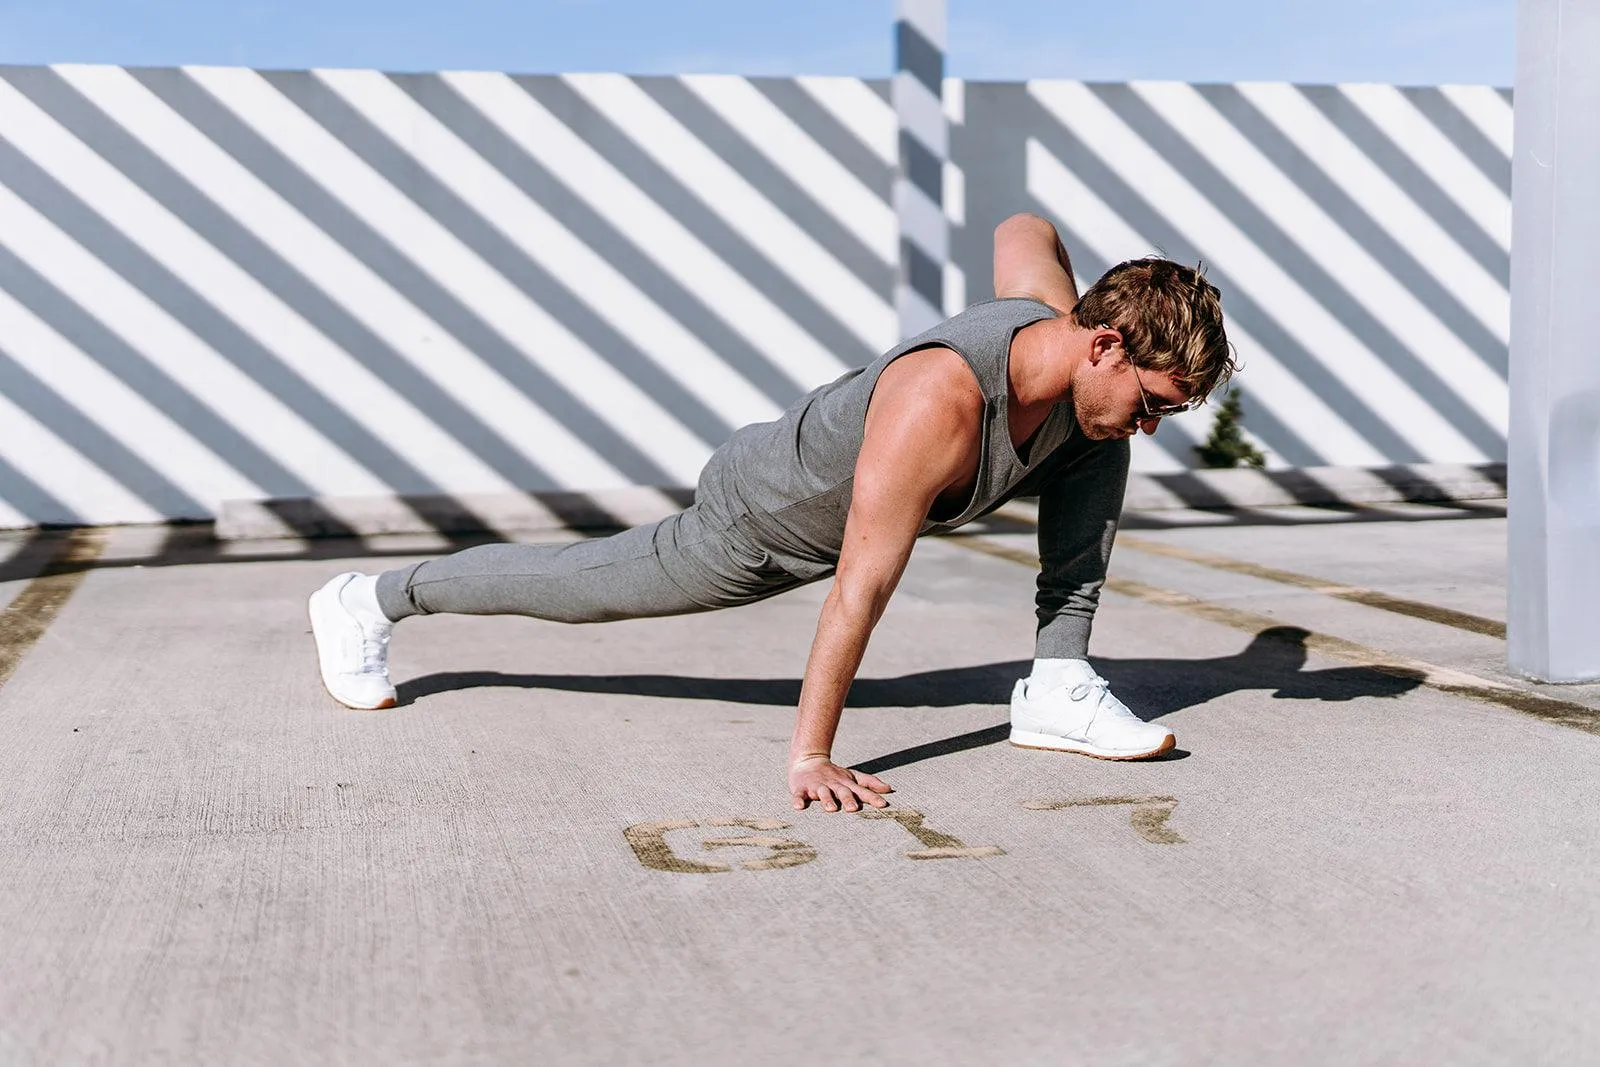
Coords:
512,514
1429,483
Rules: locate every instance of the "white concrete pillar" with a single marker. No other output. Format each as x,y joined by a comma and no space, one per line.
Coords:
1553,543
917,90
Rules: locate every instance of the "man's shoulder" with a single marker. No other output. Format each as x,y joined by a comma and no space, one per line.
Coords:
932,405
935,376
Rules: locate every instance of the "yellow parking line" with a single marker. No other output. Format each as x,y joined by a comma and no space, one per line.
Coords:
1417,609
1443,679
1371,598
26,618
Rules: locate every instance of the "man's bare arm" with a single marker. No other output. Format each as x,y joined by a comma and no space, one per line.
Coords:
920,433
1030,261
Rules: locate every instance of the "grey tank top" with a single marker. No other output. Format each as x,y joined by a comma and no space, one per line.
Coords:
786,484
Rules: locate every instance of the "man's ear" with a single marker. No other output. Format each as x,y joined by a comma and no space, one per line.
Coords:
1103,344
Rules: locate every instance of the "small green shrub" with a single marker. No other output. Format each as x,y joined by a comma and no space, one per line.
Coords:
1227,447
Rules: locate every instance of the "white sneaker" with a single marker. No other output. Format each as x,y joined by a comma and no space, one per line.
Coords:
352,652
1081,715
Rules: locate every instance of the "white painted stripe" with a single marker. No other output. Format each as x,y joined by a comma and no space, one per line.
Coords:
1459,368
921,114
793,151
856,107
770,232
65,473
1113,240
955,101
347,281
362,397
521,323
102,398
1365,183
235,397
921,221
927,16
1150,456
1486,109
955,289
526,224
1437,156
659,236
1221,242
955,194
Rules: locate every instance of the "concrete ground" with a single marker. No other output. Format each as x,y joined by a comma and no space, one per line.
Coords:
574,844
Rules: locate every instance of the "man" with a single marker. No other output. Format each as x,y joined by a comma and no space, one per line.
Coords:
1034,393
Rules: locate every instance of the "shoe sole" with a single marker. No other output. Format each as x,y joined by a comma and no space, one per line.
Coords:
1045,743
311,611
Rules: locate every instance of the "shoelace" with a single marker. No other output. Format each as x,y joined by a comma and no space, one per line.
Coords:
1083,689
373,660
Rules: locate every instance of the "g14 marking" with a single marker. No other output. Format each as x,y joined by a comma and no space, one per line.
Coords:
649,843
1149,815
936,846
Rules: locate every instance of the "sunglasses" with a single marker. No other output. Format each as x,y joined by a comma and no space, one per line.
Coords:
1157,411
1161,411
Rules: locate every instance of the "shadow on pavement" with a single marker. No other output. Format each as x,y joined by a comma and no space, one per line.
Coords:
193,543
1275,659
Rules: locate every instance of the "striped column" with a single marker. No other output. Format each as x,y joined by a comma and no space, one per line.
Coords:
924,148
1553,532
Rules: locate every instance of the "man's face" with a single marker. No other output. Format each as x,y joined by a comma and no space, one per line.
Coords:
1114,399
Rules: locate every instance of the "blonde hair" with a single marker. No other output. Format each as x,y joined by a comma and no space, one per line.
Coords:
1170,319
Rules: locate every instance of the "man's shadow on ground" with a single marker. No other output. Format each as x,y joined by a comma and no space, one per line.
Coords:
1275,660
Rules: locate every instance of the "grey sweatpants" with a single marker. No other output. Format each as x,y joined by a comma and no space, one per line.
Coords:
692,561
701,559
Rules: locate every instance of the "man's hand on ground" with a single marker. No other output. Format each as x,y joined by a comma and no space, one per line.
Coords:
819,778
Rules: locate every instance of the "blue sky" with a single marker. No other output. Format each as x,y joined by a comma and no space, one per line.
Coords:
1413,42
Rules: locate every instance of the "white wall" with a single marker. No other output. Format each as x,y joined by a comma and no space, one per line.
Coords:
222,283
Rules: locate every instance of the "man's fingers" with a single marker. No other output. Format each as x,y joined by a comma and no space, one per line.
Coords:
843,789
866,796
872,799
872,782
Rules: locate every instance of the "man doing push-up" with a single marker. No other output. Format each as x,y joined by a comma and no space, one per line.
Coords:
1035,393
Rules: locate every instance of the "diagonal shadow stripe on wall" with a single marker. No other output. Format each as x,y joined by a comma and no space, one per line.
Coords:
33,501
375,252
205,321
680,127
91,440
92,337
1241,306
1463,133
820,124
1403,172
663,238
601,235
1385,246
1315,279
783,190
298,294
468,224
690,211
